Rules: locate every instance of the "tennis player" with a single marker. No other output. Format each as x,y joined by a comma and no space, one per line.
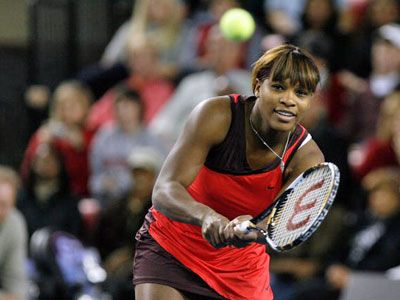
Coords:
232,159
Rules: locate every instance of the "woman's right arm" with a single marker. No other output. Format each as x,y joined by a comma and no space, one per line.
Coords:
207,126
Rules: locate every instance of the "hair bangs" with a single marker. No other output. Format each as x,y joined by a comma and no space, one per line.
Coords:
298,69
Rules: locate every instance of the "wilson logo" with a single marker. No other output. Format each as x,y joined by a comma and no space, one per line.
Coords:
299,207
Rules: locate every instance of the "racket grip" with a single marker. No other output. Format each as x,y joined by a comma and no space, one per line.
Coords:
246,226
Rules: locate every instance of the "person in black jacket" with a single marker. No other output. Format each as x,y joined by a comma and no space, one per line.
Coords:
45,198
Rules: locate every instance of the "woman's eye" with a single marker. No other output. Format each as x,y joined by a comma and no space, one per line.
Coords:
277,87
301,93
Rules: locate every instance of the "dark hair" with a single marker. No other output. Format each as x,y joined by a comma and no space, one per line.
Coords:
126,93
123,91
287,62
330,23
318,44
63,177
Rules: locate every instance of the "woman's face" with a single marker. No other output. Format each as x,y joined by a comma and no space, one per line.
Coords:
384,202
281,104
318,12
46,164
144,60
127,113
74,105
161,11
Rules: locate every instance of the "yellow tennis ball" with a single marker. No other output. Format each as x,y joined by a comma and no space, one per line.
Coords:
237,24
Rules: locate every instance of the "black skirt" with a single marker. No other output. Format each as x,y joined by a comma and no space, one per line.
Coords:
153,264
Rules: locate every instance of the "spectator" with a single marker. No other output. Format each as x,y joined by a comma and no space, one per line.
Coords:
222,77
365,97
321,17
162,21
66,130
330,92
378,151
123,219
195,49
155,91
13,240
45,199
372,14
110,176
283,17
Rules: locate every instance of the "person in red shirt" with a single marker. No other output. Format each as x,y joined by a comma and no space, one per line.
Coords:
66,129
379,150
233,157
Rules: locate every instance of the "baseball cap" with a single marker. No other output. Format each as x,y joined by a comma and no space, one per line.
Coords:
145,158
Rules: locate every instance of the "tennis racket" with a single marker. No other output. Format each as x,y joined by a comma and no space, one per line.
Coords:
299,210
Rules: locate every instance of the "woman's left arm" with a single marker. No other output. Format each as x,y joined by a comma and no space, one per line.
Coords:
306,157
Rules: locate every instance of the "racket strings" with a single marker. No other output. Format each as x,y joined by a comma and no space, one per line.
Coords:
302,207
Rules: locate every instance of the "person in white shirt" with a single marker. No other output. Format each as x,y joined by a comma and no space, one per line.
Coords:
13,240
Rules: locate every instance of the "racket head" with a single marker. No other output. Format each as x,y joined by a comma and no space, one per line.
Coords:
300,210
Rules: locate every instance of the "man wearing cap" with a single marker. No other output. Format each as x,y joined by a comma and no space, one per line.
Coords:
123,218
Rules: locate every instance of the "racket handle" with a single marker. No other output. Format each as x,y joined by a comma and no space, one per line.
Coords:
246,226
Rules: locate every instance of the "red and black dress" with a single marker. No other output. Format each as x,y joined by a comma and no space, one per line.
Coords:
228,185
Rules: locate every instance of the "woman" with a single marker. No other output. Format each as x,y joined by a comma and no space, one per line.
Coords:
45,198
234,156
67,131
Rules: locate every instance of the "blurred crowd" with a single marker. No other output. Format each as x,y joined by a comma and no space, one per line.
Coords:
98,140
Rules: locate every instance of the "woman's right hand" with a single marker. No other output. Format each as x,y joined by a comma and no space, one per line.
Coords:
238,237
212,229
